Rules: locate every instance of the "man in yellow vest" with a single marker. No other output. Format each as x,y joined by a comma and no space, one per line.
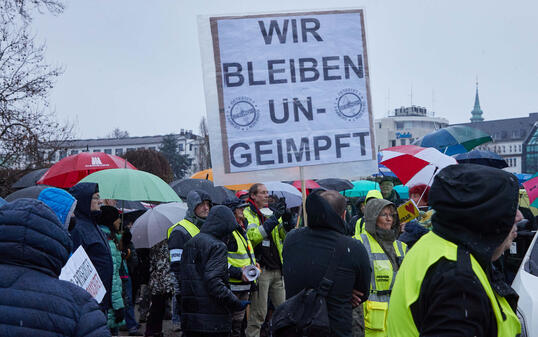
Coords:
447,285
267,233
240,259
199,203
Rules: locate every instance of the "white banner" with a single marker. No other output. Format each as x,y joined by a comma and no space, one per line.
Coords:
288,90
79,270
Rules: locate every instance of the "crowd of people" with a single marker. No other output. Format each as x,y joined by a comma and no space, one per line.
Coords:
225,270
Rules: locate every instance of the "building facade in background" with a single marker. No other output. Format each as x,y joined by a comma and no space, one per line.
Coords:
189,144
508,135
405,125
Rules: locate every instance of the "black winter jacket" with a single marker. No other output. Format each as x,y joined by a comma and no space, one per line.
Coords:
206,299
475,209
34,246
307,253
88,235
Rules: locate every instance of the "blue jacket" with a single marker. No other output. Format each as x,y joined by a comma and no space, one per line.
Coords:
33,302
88,235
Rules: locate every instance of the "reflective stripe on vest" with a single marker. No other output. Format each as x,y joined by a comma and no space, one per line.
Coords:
189,227
425,253
383,275
241,258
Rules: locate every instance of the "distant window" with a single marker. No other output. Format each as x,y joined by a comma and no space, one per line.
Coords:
190,147
519,148
74,152
510,148
515,161
97,150
85,150
181,147
504,149
63,154
140,148
399,125
402,141
380,125
152,148
118,152
393,142
108,151
130,149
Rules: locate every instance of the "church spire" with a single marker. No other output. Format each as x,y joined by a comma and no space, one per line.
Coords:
477,112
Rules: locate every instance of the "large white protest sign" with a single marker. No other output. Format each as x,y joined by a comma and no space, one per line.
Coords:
79,270
285,90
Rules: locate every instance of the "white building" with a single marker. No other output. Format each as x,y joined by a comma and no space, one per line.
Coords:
189,144
405,125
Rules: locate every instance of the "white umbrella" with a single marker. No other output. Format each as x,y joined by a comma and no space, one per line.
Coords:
293,196
152,226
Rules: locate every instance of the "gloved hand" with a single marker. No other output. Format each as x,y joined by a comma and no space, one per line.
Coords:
119,315
279,207
244,304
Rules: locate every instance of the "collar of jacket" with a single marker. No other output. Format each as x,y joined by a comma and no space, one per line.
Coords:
255,209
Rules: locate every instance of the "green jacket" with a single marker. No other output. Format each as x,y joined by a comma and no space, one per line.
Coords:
116,293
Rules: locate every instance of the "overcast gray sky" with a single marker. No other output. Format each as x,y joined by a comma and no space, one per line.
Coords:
136,64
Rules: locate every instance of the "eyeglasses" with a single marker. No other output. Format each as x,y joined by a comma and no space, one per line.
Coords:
96,198
388,214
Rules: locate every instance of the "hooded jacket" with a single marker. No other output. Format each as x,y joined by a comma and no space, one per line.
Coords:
179,235
206,299
475,208
33,302
385,238
307,253
88,235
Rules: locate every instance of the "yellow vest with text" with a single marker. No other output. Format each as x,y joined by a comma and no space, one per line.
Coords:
382,281
256,233
242,257
189,227
426,252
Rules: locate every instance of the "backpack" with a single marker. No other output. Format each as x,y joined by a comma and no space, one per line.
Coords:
305,314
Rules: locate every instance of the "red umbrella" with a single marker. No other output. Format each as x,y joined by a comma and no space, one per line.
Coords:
413,164
70,170
309,184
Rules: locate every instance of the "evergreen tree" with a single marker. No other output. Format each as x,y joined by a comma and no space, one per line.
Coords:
180,163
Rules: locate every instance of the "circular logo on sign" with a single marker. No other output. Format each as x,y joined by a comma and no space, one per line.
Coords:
243,113
349,104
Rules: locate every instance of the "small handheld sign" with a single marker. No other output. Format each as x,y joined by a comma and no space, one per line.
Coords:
408,211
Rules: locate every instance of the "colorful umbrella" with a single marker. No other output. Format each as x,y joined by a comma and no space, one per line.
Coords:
361,188
127,184
309,184
70,170
531,186
415,165
454,139
152,226
480,157
208,175
402,190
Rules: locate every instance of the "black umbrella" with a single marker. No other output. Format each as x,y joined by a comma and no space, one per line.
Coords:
29,179
184,186
486,158
28,192
335,184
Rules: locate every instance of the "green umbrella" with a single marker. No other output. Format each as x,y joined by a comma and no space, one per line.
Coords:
127,184
360,188
454,139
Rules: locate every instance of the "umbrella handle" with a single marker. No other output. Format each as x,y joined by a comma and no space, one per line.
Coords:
433,175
